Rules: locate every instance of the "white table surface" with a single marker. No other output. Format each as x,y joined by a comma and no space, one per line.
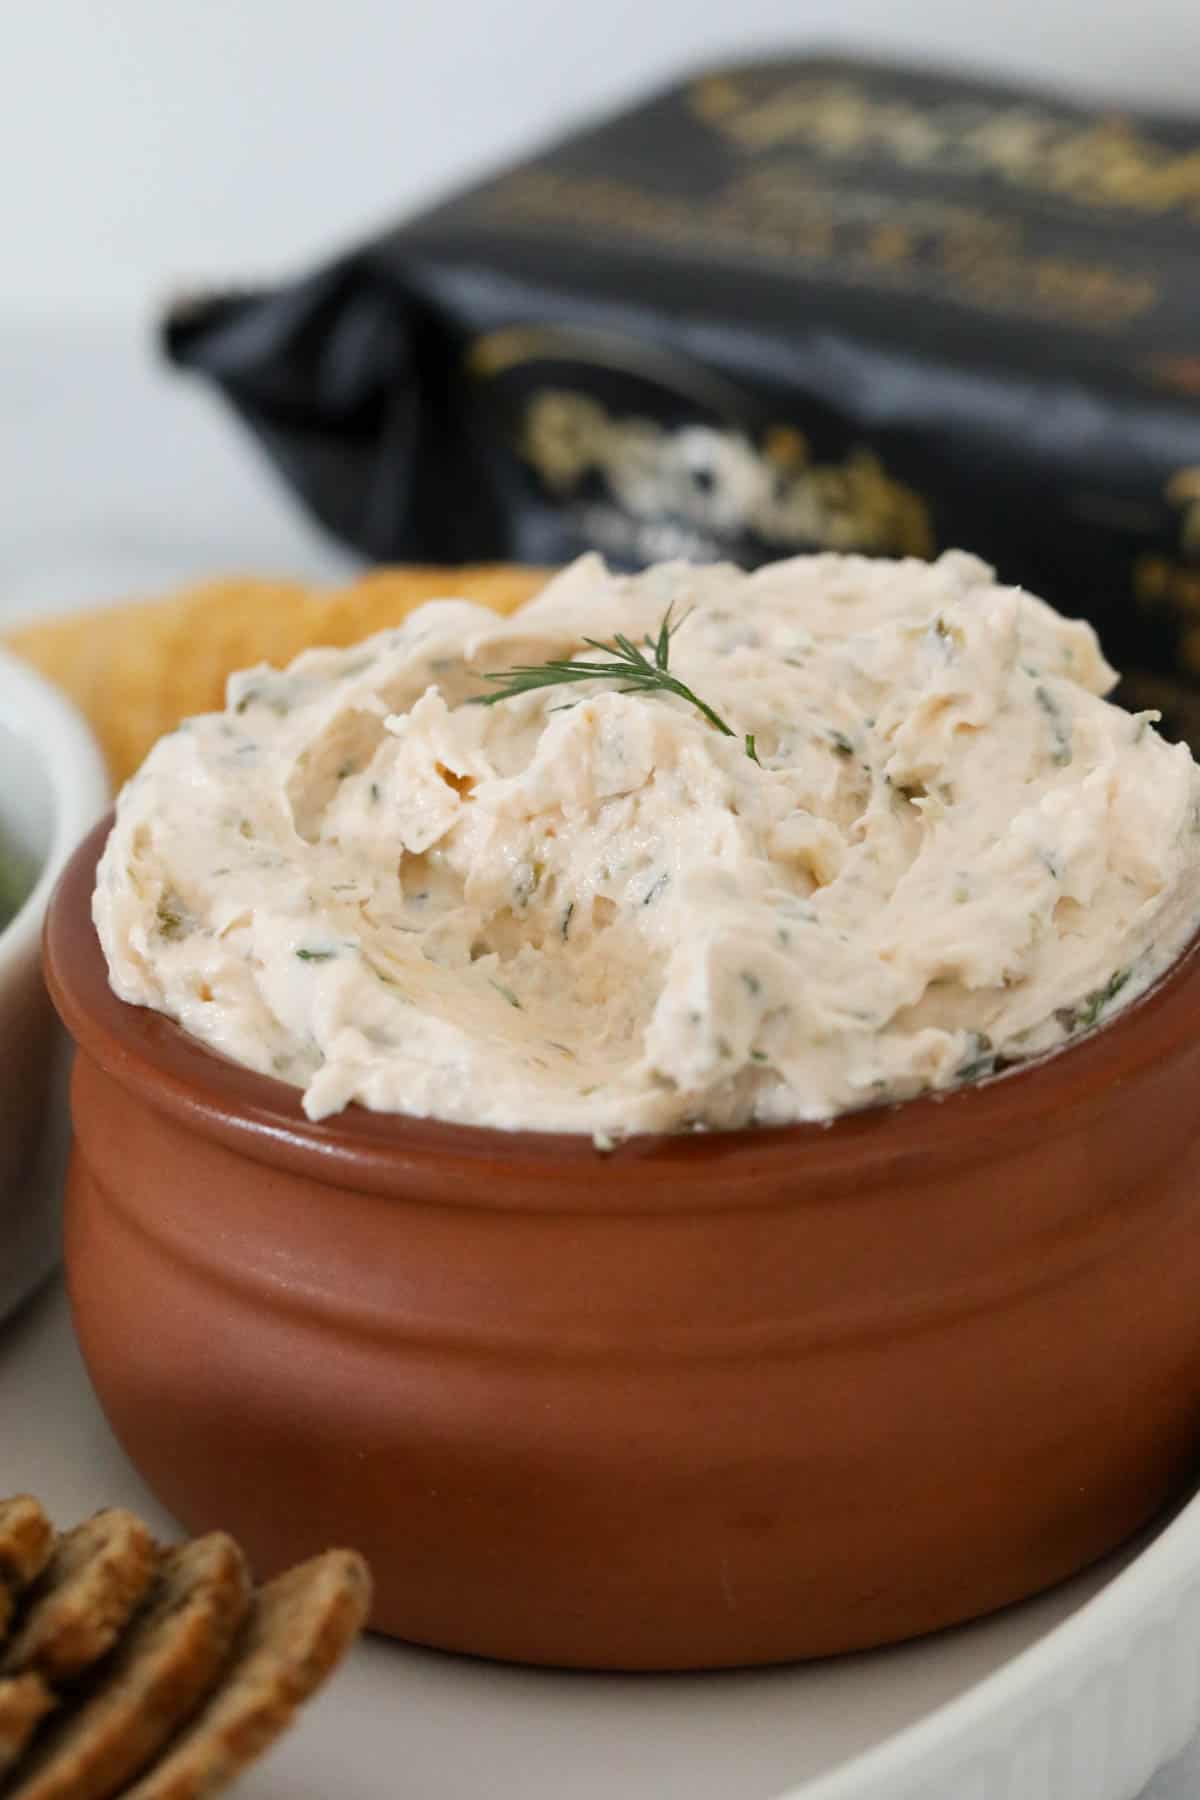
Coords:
117,480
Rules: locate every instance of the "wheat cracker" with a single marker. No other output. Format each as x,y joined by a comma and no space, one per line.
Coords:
24,1702
27,1540
164,1666
78,1608
300,1627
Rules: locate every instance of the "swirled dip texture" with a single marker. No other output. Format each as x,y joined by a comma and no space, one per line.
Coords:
588,910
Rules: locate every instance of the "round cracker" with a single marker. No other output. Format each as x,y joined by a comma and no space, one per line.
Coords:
300,1627
24,1702
164,1666
95,1580
27,1540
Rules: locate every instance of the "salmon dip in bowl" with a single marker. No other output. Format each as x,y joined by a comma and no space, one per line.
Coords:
666,1119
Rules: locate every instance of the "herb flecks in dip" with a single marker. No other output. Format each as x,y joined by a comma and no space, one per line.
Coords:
585,909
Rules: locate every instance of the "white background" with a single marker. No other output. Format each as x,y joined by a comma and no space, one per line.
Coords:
147,144
153,145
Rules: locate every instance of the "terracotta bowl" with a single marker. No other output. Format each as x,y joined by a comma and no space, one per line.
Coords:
704,1401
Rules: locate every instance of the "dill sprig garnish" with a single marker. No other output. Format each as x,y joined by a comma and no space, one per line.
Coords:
628,663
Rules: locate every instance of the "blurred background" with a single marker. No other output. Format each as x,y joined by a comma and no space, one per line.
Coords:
148,145
149,148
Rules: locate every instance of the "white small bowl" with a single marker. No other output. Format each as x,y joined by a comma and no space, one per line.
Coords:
53,787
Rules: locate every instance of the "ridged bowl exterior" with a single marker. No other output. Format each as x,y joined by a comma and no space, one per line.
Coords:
704,1401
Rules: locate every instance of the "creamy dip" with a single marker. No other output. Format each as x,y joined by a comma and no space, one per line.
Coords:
590,910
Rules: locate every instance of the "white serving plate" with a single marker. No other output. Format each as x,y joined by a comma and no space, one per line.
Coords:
1079,1695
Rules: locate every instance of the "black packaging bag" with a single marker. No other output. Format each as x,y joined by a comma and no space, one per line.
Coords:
808,303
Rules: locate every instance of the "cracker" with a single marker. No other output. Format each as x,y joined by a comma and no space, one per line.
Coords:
135,671
300,1627
26,1540
24,1702
96,1578
164,1666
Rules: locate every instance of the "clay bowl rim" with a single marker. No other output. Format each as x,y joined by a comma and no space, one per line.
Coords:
261,1118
